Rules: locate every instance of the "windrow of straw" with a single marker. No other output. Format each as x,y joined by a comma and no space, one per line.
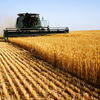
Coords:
77,52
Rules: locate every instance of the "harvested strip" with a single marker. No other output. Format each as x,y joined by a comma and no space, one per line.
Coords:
5,91
33,76
17,81
11,83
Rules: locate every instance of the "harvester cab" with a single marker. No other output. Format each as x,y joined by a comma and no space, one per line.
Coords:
29,24
30,21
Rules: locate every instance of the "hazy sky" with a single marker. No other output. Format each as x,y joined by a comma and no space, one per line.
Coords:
75,14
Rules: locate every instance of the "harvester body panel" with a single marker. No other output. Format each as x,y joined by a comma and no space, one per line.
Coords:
19,22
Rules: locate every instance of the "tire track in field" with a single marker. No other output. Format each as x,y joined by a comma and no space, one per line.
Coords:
26,77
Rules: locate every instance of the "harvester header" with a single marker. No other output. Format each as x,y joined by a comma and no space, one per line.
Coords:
29,24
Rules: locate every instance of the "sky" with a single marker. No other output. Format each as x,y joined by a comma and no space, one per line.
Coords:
74,14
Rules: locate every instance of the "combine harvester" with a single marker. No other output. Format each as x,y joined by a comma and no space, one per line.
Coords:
29,24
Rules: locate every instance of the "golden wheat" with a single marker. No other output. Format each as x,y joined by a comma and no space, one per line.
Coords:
77,52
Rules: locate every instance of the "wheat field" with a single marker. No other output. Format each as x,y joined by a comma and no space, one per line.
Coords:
77,52
25,77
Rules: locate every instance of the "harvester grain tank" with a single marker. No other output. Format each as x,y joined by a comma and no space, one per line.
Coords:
29,24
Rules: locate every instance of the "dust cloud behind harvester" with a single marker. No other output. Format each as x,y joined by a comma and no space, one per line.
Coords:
6,22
